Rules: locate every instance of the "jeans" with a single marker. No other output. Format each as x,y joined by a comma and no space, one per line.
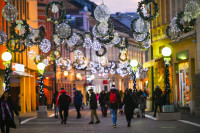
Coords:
56,110
114,115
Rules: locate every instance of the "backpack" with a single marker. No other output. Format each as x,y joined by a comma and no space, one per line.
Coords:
113,97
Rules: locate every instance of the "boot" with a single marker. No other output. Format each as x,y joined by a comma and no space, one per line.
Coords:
129,124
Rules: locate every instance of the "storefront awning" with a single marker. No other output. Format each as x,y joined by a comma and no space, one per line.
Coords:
22,74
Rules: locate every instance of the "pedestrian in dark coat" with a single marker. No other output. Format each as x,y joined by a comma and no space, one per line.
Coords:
158,99
7,116
129,106
103,103
142,105
114,106
93,107
78,103
63,101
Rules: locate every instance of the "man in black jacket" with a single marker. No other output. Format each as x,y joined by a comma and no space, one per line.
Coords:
114,103
158,99
93,107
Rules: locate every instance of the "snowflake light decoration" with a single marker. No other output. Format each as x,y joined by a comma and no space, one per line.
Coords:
102,13
9,12
45,46
63,31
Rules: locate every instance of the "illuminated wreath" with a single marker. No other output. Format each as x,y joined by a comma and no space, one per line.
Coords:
61,16
18,45
16,35
172,37
123,59
119,46
35,60
183,29
140,10
37,40
104,51
107,38
55,55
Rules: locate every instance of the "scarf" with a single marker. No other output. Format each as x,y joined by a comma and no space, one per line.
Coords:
3,110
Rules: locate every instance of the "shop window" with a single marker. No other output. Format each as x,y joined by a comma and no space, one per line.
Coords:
184,87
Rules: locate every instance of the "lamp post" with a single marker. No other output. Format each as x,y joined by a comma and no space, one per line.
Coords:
41,67
166,52
7,56
134,65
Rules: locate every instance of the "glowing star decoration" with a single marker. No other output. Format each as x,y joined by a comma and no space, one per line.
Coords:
96,45
3,37
73,40
63,30
191,11
9,12
78,54
45,46
87,43
31,54
102,13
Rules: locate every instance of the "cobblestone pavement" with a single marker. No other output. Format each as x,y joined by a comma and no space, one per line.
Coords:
146,125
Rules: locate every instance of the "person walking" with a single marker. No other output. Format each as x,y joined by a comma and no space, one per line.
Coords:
142,105
114,103
7,116
54,103
63,101
93,107
129,106
103,103
158,99
78,103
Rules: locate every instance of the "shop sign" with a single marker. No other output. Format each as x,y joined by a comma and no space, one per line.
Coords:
149,64
182,55
18,67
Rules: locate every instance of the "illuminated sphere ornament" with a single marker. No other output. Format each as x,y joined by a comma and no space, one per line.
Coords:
41,66
45,46
73,40
166,51
63,31
96,45
146,44
78,54
191,10
3,37
87,43
134,63
66,73
6,56
141,26
102,13
9,12
140,37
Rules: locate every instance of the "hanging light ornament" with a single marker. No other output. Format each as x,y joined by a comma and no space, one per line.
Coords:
141,26
45,46
116,40
46,62
96,45
3,37
192,11
103,61
9,12
75,39
102,13
87,43
34,38
124,69
146,44
64,31
141,37
66,64
78,54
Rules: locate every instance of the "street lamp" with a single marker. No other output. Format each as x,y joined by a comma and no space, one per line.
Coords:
41,67
7,56
66,74
166,52
134,65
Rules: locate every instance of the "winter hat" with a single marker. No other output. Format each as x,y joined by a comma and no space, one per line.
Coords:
90,90
157,86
